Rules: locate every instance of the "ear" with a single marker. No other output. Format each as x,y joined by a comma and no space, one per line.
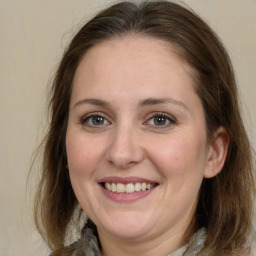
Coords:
217,152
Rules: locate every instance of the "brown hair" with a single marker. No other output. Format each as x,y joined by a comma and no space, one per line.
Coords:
225,201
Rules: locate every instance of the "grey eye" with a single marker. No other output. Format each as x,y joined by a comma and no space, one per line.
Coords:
160,120
95,120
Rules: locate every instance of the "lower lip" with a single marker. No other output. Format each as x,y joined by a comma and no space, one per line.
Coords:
126,197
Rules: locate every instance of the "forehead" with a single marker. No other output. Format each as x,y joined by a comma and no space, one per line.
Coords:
128,70
138,47
140,59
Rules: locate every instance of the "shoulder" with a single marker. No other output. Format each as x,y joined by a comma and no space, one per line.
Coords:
252,244
87,245
253,248
70,250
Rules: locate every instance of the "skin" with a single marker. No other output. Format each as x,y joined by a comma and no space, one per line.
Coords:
125,73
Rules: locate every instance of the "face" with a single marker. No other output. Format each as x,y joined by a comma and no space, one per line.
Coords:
136,139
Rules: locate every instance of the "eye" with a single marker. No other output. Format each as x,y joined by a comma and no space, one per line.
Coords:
161,120
95,120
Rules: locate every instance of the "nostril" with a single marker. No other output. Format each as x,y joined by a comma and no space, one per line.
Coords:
122,163
124,151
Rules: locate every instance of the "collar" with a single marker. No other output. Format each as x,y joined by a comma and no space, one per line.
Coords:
89,244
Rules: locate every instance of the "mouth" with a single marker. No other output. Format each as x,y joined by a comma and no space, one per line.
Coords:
128,188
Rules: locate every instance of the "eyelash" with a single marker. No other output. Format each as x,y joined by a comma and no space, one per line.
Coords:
85,119
171,120
167,118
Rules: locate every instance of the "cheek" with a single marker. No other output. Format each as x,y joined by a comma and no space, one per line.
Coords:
83,154
182,155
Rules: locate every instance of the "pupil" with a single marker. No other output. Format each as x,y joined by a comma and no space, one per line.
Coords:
160,120
97,120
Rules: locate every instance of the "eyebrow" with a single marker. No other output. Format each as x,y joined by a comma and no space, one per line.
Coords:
143,103
96,102
156,101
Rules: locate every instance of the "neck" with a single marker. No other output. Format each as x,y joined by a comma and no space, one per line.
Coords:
163,244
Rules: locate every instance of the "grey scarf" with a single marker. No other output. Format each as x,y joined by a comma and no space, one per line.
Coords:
89,245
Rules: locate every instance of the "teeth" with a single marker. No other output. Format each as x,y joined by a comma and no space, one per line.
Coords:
120,188
148,186
143,186
108,186
128,188
137,187
113,187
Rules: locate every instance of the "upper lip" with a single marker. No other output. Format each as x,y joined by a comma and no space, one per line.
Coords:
125,180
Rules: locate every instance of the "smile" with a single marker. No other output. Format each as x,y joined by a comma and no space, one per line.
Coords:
128,188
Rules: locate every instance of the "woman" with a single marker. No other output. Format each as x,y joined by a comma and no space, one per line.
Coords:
147,140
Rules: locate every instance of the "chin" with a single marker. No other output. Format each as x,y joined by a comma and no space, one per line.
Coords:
127,227
128,234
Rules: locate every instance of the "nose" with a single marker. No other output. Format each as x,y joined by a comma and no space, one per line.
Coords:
124,150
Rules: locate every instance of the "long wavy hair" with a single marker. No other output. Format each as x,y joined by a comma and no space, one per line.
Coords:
226,201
